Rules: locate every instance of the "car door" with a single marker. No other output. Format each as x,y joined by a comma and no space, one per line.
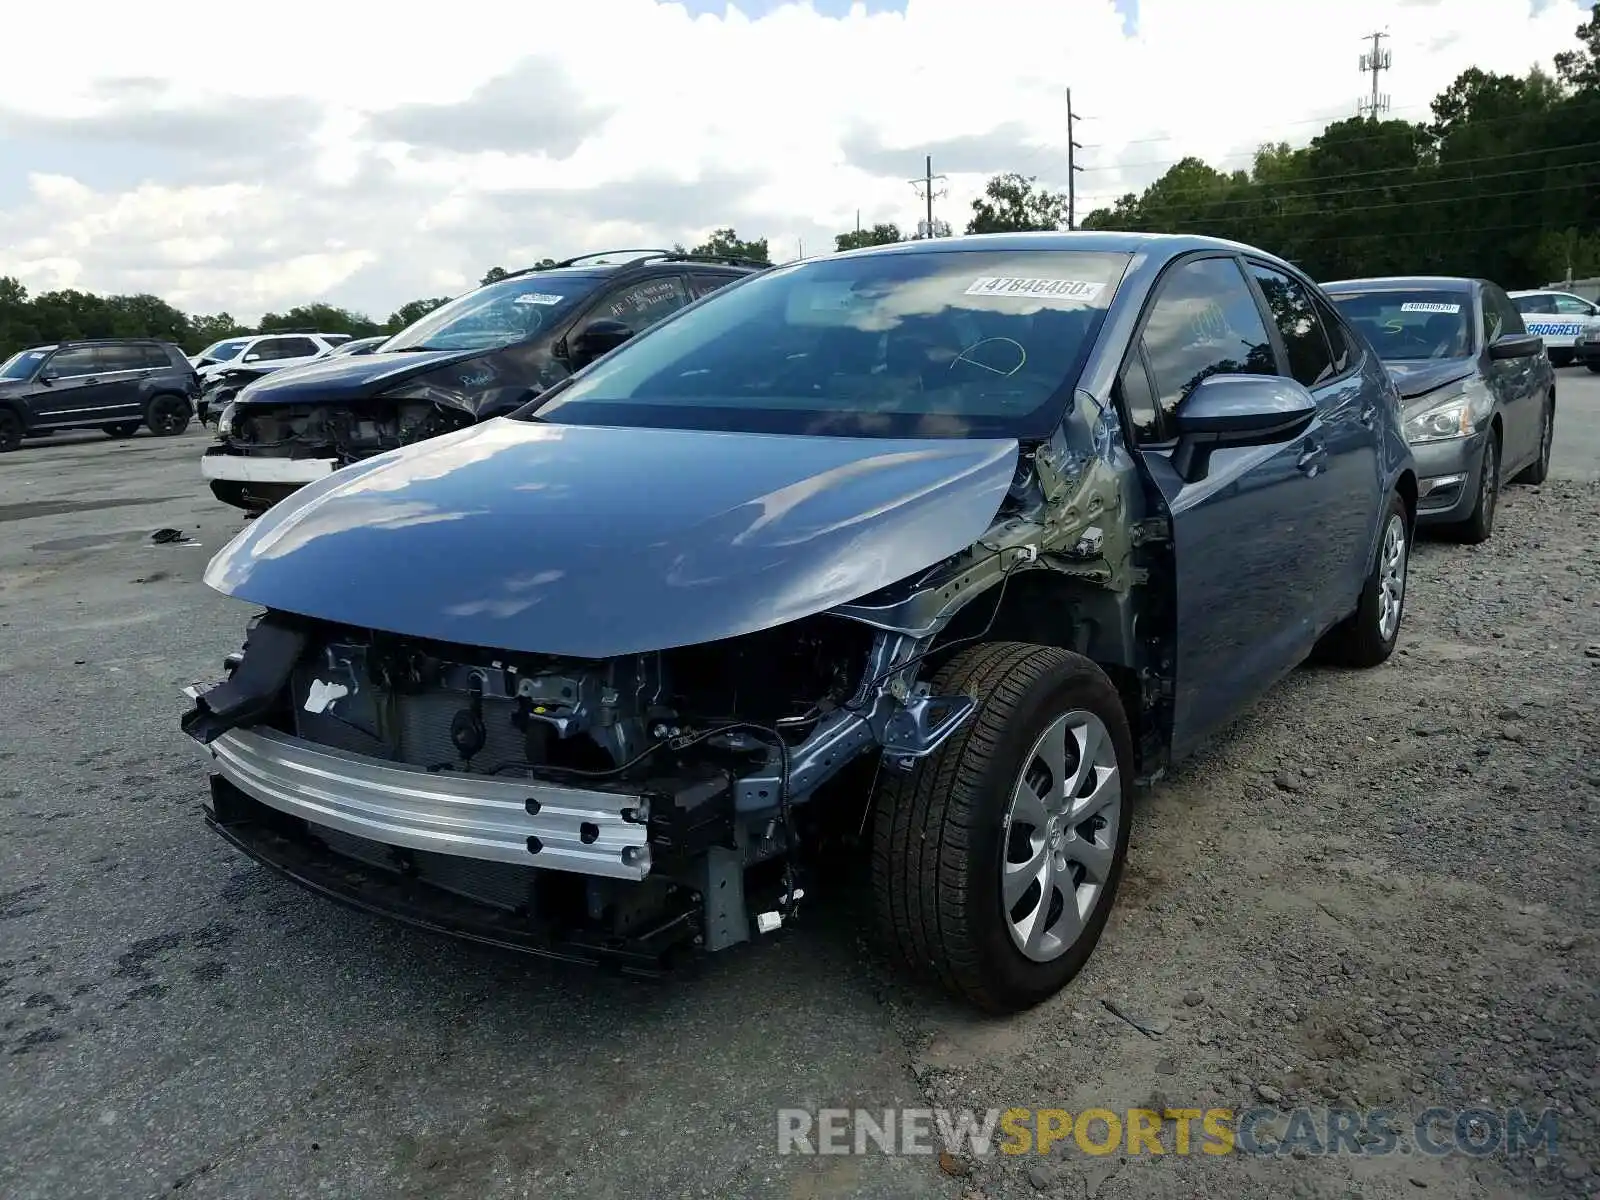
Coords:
70,390
1248,536
123,369
1515,382
1349,488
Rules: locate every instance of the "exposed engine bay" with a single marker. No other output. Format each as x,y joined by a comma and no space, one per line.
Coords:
348,432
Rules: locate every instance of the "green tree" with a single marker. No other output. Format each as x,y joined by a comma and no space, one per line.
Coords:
876,235
412,312
1580,69
1012,202
725,243
320,318
493,275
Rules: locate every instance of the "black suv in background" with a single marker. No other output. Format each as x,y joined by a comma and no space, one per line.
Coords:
115,385
482,355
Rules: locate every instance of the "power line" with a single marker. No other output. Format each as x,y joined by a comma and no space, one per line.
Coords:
1334,177
1268,196
1570,107
1406,204
1374,63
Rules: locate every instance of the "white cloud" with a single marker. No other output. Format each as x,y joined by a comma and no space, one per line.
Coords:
369,155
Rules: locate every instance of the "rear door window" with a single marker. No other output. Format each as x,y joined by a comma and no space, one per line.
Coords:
121,358
705,284
1289,302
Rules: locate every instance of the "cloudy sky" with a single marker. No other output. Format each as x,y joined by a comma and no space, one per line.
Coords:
249,158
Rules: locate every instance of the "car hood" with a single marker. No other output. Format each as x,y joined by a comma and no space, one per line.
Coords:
349,377
592,541
13,387
1420,376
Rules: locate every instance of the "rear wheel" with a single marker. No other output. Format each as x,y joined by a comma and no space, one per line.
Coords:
1537,471
10,430
1367,637
1479,524
167,415
996,859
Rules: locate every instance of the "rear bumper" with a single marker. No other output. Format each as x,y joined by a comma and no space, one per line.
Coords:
523,822
219,463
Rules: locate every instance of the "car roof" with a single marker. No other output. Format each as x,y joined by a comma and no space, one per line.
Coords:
1403,283
1547,292
1102,241
126,341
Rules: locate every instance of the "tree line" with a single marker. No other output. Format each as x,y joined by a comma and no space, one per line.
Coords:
1503,182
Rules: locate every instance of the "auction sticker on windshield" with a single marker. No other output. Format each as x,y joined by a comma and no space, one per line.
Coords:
1429,306
1075,291
542,298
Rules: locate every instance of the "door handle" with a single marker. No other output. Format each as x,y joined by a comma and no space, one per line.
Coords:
1312,460
91,379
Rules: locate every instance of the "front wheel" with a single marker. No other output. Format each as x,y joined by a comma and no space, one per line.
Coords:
1367,637
1539,470
1479,524
996,859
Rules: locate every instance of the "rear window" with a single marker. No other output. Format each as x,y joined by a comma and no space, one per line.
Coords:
496,315
936,344
1403,325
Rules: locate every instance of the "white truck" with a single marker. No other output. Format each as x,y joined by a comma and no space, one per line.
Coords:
1561,319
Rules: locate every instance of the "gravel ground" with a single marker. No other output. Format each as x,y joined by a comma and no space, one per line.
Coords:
1375,891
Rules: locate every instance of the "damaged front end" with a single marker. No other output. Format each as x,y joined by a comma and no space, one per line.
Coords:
615,809
600,802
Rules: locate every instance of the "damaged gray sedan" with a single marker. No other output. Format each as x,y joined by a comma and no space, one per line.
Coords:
955,541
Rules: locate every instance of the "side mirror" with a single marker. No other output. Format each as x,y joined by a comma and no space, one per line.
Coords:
251,357
1237,410
597,338
1515,345
47,377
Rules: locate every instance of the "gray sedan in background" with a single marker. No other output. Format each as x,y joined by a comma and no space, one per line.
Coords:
1477,390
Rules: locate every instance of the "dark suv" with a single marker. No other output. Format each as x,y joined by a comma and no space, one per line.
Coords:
482,355
112,385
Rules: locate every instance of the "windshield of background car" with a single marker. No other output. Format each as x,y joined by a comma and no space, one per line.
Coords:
503,312
960,343
23,364
223,351
1411,324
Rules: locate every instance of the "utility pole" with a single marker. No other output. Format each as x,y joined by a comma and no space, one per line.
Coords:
1373,63
1072,165
926,185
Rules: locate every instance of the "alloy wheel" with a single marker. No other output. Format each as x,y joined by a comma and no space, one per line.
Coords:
1392,576
1060,835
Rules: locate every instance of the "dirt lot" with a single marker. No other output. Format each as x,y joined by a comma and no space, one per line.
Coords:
1378,890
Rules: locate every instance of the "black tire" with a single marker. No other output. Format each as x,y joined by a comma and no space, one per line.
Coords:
1595,367
940,830
126,430
1560,358
235,494
168,415
1359,640
11,430
1479,524
1539,469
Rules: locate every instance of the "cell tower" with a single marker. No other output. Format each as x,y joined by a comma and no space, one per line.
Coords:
1373,63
